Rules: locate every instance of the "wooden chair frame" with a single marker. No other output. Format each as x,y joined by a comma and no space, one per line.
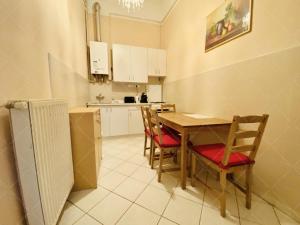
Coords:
236,134
156,130
165,108
146,127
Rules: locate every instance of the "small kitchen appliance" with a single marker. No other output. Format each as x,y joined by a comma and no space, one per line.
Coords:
144,98
129,99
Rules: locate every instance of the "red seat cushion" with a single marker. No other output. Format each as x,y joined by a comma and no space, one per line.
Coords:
168,141
215,153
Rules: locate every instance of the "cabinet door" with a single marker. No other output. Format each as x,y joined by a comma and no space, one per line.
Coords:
139,64
119,121
105,121
121,63
162,62
152,62
136,125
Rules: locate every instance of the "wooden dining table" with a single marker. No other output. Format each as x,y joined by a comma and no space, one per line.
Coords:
186,124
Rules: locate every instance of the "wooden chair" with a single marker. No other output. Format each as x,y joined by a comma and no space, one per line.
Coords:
147,130
168,108
164,141
234,156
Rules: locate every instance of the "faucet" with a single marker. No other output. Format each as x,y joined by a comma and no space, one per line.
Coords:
100,97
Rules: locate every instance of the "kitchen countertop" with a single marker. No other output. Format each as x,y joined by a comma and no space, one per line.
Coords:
118,104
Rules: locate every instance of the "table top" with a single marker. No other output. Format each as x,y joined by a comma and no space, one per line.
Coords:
184,120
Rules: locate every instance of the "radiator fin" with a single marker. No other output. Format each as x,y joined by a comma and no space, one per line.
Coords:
52,150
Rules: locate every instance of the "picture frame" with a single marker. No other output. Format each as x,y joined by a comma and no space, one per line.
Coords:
230,20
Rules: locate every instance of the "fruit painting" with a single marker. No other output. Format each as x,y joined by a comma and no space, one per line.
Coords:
230,20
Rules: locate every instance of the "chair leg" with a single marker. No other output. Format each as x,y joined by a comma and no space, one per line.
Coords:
223,181
152,155
145,145
161,158
194,163
249,178
189,161
175,158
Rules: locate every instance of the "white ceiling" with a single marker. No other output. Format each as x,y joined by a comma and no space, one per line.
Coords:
153,10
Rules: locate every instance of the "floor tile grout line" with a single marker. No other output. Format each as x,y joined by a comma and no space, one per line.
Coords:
148,185
131,204
123,214
84,214
203,200
153,185
167,207
112,191
276,215
238,208
170,220
94,219
159,220
98,202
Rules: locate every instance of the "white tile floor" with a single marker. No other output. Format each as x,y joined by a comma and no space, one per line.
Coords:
129,194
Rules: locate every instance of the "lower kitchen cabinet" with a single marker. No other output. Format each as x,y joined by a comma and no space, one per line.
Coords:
135,121
105,121
86,141
121,120
118,121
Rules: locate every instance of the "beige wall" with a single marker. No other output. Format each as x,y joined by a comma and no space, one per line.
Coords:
256,73
126,31
29,31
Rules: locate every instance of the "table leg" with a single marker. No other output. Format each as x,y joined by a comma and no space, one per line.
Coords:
183,154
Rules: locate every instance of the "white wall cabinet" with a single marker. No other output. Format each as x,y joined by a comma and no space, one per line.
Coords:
139,64
130,64
157,62
121,63
121,120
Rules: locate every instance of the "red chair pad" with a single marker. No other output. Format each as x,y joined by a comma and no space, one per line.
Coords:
168,141
215,153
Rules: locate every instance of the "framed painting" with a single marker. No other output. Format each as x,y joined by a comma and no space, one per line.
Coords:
229,21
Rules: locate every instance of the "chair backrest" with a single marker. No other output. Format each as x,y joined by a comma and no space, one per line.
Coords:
168,108
146,121
154,124
236,135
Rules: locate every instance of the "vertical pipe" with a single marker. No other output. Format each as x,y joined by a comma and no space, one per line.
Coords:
97,9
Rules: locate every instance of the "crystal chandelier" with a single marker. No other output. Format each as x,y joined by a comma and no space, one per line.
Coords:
131,3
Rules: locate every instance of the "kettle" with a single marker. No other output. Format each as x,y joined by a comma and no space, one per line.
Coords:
144,98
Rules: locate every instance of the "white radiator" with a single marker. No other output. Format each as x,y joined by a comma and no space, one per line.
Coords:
41,134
